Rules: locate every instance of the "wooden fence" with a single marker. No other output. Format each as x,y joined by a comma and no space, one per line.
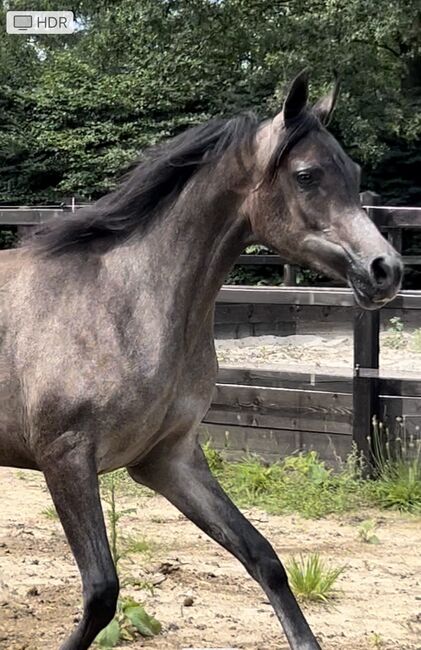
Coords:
276,412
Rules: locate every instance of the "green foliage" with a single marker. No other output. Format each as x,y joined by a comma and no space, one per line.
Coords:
400,489
51,513
144,623
130,621
109,491
110,635
395,337
255,275
213,457
301,483
306,277
367,532
131,618
311,579
416,340
140,546
397,461
75,110
8,238
376,641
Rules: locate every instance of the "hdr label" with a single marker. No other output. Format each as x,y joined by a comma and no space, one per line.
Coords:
40,22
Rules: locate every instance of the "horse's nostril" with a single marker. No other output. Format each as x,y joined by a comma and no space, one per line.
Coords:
380,270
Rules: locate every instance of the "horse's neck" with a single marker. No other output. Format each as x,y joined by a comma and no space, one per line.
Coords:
183,260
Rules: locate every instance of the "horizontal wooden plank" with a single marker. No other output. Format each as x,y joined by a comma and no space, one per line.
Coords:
384,216
411,260
342,297
18,217
340,381
398,387
281,408
261,260
280,379
273,444
276,260
286,295
396,217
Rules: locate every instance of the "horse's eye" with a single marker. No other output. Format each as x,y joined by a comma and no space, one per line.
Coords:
305,178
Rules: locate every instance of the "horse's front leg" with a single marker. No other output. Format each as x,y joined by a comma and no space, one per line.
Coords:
180,473
69,468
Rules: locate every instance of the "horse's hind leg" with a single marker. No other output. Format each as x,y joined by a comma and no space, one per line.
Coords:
69,468
180,473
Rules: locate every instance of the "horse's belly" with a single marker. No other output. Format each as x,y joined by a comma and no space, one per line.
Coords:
13,449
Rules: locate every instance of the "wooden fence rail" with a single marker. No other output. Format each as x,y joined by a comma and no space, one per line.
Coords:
276,412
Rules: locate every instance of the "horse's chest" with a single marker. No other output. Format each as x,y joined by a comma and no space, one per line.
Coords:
173,406
192,398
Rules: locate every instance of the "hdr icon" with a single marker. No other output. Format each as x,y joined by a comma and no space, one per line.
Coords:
40,22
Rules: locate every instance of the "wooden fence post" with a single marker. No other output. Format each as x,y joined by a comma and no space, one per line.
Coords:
365,396
290,275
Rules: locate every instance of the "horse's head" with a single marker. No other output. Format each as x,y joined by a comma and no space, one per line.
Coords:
307,204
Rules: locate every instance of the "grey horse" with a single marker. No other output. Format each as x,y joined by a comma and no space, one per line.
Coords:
106,330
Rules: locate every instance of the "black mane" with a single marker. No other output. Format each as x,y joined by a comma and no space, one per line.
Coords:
161,175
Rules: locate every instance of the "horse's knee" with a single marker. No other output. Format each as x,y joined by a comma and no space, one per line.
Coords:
273,574
102,601
268,569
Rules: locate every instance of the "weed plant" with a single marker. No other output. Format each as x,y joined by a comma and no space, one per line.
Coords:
311,579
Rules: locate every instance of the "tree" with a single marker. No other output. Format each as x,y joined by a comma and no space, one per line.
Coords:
79,108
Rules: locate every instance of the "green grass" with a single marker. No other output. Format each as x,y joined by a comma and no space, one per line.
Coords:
214,457
51,513
395,337
416,340
399,488
303,484
131,619
376,641
123,484
139,546
367,532
397,467
311,579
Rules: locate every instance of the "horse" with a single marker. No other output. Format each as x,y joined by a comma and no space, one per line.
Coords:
106,328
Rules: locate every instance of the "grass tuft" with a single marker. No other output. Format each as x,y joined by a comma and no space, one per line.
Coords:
367,532
395,337
416,340
311,579
213,457
140,545
397,461
51,513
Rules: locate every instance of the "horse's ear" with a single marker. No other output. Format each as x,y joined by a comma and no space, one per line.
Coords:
297,96
295,101
326,105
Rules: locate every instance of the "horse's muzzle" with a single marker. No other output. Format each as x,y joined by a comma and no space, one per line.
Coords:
377,282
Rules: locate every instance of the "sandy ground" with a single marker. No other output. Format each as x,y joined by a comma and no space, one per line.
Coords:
378,604
329,354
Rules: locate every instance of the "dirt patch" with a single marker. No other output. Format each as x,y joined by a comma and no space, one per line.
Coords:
380,591
309,353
